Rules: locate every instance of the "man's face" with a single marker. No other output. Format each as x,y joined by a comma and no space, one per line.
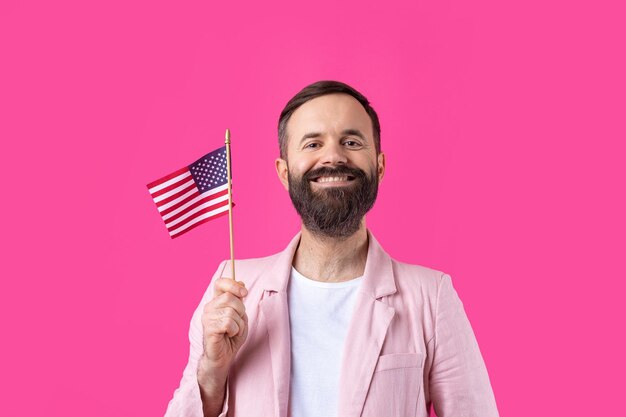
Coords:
332,170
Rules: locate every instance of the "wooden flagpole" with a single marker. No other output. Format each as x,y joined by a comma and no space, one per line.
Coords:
230,204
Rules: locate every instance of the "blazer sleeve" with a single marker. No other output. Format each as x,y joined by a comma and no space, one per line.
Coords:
186,401
459,383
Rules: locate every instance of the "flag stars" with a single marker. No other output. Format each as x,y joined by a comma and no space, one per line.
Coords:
210,171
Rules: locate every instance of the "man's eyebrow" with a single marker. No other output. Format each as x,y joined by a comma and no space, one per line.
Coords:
310,135
346,132
354,132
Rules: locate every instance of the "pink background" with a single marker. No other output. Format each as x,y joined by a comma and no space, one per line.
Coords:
503,126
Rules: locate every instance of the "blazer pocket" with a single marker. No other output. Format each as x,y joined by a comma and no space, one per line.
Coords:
398,360
395,387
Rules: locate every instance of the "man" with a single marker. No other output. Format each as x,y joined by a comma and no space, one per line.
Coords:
331,326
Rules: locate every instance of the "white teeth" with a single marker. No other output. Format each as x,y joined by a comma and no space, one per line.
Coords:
329,179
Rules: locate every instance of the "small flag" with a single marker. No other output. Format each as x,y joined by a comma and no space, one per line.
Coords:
194,194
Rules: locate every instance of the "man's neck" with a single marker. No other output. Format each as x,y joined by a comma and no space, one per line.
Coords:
329,259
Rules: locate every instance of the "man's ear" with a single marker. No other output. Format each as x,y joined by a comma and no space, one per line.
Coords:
283,172
381,166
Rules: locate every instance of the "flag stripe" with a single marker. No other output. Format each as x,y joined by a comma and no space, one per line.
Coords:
184,200
199,212
199,218
209,202
199,223
165,181
180,181
171,213
179,194
180,187
172,205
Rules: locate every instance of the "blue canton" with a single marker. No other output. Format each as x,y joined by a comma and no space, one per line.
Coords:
210,171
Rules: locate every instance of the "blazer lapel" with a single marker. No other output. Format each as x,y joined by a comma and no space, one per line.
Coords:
276,313
364,340
275,310
370,320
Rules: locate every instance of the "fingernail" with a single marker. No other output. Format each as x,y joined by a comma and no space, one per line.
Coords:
243,292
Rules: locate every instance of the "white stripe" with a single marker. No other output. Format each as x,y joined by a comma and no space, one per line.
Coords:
179,199
168,182
199,218
174,191
196,199
189,193
197,209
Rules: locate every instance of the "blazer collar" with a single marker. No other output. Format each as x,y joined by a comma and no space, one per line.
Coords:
378,278
277,276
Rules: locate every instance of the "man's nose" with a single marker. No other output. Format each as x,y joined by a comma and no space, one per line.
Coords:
334,153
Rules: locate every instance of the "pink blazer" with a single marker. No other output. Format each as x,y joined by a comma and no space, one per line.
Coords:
409,344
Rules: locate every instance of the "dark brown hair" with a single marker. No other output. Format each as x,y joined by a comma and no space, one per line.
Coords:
317,89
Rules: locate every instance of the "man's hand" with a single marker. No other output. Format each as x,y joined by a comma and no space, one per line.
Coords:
224,329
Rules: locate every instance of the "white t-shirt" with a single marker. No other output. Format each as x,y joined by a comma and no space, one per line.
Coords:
319,315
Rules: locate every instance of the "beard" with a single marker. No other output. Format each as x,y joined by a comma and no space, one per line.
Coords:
333,211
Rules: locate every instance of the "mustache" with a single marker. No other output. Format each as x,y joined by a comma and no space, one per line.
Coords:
335,172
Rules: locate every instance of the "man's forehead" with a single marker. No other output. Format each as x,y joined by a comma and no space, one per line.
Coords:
331,112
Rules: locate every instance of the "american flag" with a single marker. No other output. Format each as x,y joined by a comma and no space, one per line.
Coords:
194,194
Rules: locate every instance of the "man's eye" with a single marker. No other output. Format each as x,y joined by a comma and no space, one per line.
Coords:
352,143
311,145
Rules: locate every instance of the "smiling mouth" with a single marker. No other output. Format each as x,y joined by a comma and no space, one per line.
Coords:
340,178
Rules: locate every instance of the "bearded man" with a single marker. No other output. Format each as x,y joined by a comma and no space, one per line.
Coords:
332,326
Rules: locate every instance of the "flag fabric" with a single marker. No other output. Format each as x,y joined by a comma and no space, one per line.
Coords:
194,194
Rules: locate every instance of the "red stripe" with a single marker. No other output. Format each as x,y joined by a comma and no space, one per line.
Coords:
178,194
179,204
199,223
198,214
167,177
186,200
171,187
194,205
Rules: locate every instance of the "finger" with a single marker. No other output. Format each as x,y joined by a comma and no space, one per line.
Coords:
219,326
243,333
230,326
218,313
228,300
217,322
212,309
244,326
223,285
241,324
